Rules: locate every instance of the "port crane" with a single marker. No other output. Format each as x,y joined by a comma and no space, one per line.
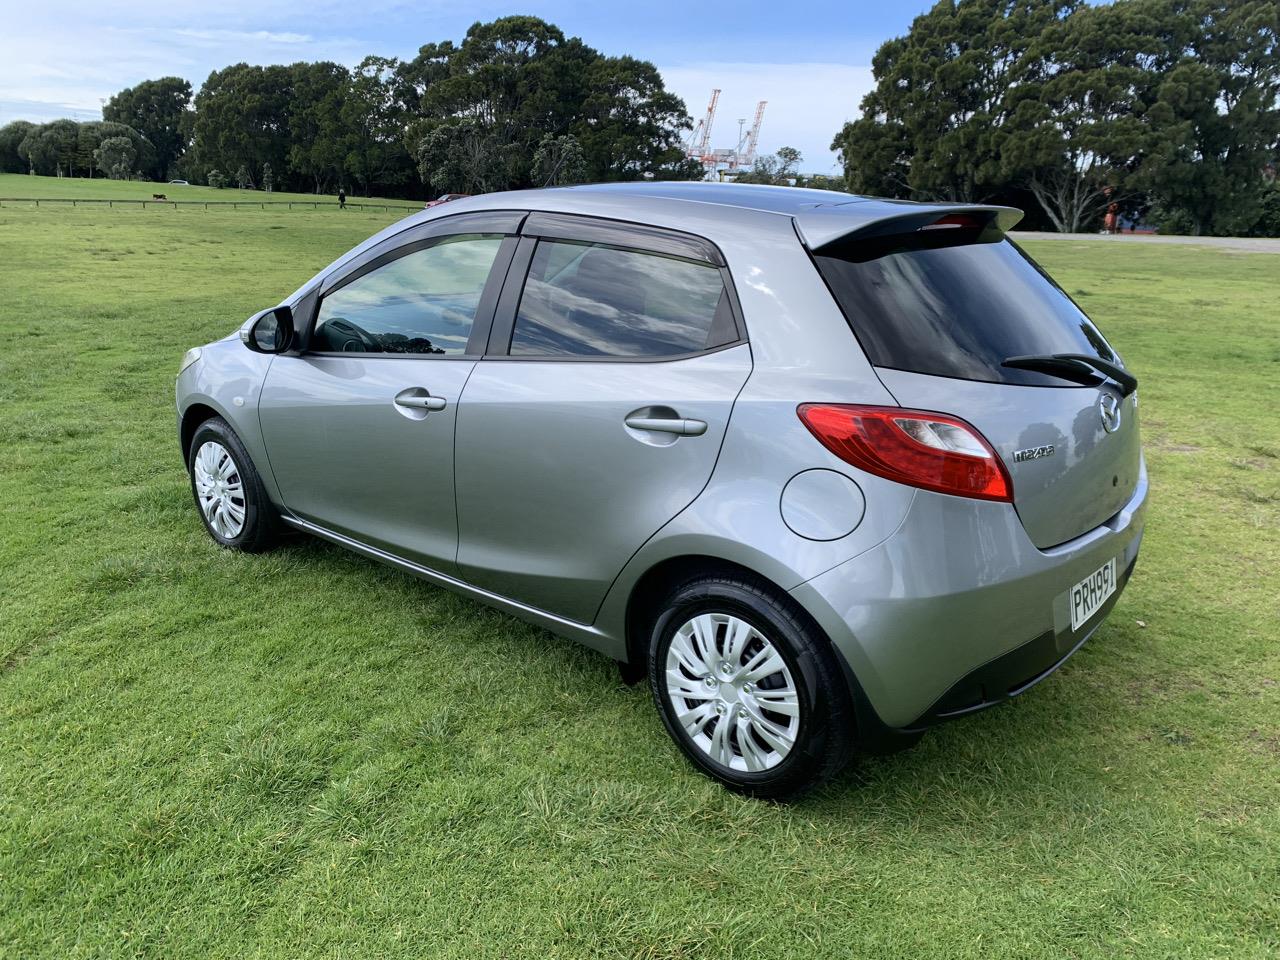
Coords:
742,156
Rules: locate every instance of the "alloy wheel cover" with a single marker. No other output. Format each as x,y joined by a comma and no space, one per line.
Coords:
732,693
219,489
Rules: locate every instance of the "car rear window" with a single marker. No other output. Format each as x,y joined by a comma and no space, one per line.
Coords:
955,303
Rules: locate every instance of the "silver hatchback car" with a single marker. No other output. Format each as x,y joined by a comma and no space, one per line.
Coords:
826,469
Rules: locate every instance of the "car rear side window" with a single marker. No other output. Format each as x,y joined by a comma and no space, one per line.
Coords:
422,303
955,303
595,300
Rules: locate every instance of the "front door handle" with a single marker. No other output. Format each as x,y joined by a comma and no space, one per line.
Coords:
681,427
422,403
415,403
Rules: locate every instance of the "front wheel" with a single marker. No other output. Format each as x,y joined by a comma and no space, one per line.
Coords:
748,689
228,491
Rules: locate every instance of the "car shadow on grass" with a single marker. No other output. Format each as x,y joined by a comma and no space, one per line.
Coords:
1019,756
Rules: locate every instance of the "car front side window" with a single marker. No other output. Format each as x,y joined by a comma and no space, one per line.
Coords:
422,303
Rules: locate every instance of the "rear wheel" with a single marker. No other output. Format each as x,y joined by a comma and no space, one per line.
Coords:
228,490
749,689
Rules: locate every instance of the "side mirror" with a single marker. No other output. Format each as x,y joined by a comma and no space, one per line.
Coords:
270,331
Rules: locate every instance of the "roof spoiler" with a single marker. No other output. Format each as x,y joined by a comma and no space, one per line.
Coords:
823,227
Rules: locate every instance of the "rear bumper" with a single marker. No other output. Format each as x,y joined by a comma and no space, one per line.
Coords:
1015,672
958,610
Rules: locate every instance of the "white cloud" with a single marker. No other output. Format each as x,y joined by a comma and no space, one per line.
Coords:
807,102
81,64
63,59
244,36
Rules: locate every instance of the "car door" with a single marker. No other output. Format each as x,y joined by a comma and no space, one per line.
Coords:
598,412
359,424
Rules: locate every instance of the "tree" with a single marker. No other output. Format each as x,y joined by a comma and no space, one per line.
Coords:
373,117
70,148
189,166
463,157
50,149
115,157
789,159
513,82
765,170
630,125
156,109
781,168
243,179
506,88
821,181
316,134
1216,117
414,77
242,118
934,126
510,82
1268,224
266,177
216,180
11,135
1079,129
559,160
1167,104
91,134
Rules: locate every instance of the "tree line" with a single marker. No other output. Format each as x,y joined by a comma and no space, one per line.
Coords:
1166,108
1162,110
86,149
515,104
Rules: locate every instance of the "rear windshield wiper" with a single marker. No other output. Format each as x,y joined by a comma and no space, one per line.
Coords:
1078,368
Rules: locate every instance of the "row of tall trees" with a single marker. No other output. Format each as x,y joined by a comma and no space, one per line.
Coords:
515,104
1167,108
517,86
96,148
157,109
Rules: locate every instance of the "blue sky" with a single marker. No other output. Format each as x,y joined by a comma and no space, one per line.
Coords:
811,61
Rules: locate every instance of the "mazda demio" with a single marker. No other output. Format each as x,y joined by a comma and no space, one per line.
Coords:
826,469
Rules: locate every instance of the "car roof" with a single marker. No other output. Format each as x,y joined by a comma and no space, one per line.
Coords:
822,216
750,196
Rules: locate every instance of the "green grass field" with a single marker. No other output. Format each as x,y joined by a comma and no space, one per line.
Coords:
307,754
80,188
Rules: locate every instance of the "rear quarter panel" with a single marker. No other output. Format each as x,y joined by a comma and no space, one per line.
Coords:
802,351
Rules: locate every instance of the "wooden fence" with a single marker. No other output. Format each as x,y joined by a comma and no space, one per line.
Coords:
234,204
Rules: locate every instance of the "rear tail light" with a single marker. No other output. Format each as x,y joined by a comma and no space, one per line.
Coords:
922,449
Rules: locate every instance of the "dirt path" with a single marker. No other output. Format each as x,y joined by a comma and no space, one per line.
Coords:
1246,244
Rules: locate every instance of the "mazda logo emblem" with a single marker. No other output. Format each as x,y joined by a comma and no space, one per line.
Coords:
1109,409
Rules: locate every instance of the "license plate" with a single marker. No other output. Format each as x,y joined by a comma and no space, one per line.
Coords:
1092,592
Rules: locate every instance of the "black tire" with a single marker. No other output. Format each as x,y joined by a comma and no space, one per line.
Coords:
261,528
825,739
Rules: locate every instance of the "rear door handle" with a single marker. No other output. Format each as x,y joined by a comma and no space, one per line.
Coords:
419,402
680,427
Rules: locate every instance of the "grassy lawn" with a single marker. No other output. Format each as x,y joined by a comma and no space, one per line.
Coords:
98,188
308,754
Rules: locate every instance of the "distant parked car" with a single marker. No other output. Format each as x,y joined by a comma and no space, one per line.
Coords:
443,198
181,183
828,469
